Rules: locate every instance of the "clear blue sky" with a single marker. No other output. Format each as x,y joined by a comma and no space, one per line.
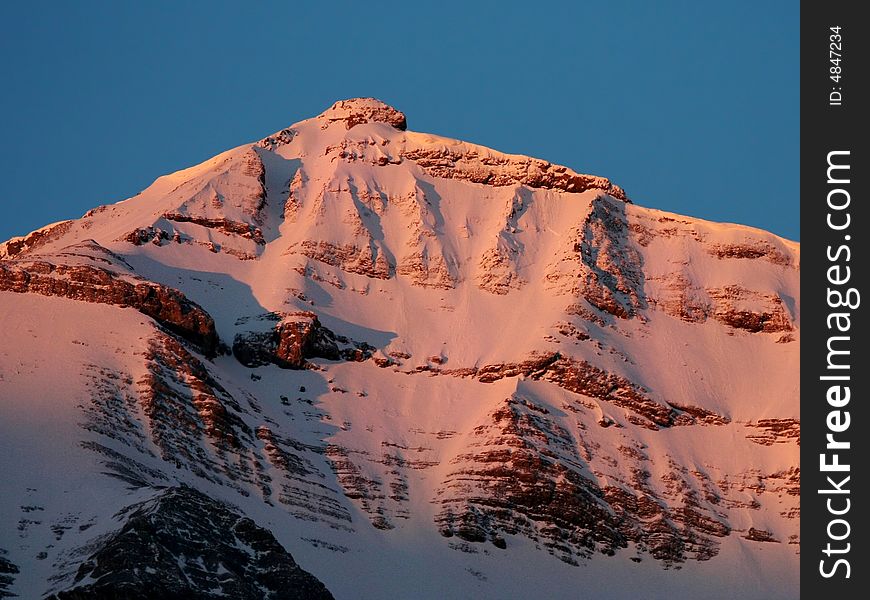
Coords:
691,106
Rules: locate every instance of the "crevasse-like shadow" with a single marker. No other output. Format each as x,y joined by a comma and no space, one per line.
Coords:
279,172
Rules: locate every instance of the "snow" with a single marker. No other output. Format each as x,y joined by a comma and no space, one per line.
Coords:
50,344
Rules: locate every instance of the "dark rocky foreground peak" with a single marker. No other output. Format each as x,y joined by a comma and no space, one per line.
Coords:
183,545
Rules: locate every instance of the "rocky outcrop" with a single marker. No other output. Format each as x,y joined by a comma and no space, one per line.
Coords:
17,247
498,269
679,297
184,545
732,305
143,235
730,308
479,165
187,417
497,272
364,489
245,230
760,535
362,260
178,413
521,472
581,377
427,270
300,488
278,139
751,250
363,110
7,575
85,283
612,274
378,481
294,339
227,208
601,264
768,432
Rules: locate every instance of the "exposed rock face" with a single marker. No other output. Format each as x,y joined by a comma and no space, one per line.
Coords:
193,421
602,263
497,272
760,535
584,378
7,575
751,250
522,473
297,337
233,199
85,283
21,246
245,230
183,545
362,260
775,431
281,138
143,235
729,309
428,270
363,110
504,169
732,305
226,211
612,276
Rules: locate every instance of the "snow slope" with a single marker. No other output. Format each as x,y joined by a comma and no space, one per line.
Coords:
466,374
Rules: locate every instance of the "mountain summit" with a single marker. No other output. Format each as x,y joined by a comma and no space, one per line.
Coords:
351,360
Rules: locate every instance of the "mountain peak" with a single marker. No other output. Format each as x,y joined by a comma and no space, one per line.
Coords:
361,346
355,111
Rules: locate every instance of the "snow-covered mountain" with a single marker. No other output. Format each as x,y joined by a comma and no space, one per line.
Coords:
388,364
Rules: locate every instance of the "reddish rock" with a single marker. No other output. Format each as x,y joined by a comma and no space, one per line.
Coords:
502,170
356,111
21,246
84,283
227,226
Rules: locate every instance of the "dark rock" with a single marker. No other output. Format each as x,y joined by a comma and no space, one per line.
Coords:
760,535
7,573
351,258
504,170
612,277
185,545
520,472
751,250
85,283
21,246
296,338
245,230
773,319
143,235
582,377
357,111
775,431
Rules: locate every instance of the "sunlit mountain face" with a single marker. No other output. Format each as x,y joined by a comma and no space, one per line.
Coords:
351,360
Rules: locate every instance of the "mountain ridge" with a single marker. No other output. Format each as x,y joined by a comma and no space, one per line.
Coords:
364,338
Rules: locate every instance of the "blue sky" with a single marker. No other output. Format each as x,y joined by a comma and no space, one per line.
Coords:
691,106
